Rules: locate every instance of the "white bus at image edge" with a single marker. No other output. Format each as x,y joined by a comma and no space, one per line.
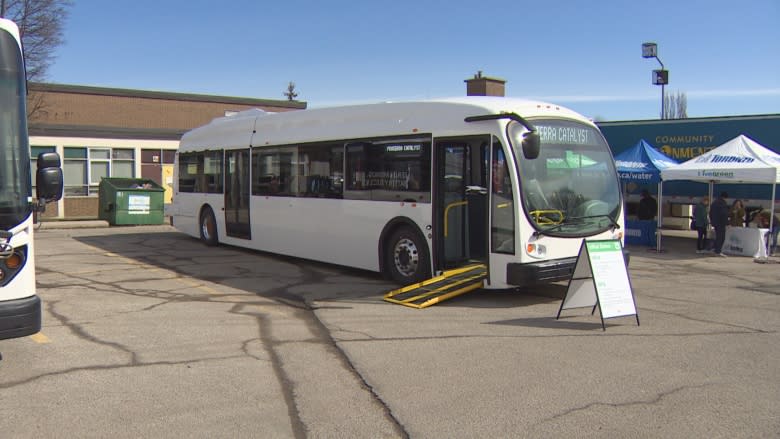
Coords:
20,307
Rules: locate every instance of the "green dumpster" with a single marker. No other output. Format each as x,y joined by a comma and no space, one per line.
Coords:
130,201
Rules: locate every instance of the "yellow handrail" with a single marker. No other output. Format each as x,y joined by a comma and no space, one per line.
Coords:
546,221
447,212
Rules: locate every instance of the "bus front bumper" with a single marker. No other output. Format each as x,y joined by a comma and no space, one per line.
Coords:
545,272
20,317
540,272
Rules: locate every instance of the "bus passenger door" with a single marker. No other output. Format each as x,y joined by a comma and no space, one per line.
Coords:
461,201
237,194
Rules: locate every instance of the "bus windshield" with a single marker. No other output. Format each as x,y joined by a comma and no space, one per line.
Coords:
572,188
15,182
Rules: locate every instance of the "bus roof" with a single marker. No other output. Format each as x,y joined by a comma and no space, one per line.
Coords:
257,127
10,27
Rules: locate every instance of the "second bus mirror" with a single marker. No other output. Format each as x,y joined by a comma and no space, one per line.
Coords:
531,145
48,179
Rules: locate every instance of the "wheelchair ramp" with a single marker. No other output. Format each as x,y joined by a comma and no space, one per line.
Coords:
449,284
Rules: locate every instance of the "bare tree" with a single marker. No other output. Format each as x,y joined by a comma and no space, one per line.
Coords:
676,106
290,93
682,106
40,26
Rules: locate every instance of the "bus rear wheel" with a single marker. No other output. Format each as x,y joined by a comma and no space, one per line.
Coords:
208,227
406,257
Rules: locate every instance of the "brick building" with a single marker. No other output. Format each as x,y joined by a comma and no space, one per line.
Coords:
108,132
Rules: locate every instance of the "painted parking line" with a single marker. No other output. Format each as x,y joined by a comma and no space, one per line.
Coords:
40,338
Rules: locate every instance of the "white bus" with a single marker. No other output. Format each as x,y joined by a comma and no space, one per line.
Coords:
406,189
20,307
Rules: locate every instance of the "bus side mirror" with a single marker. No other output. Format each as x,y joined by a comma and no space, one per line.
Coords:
531,145
48,179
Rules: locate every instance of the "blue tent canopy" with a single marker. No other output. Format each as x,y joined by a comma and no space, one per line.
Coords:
642,163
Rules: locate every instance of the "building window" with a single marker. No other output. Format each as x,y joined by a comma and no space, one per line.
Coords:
123,163
83,168
74,171
99,165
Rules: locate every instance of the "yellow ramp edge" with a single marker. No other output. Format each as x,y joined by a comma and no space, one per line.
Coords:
447,285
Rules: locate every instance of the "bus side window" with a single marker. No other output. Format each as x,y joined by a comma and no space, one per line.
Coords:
321,170
392,169
188,172
286,173
502,226
265,178
212,169
336,184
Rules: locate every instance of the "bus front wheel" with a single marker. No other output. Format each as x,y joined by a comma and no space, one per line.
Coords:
208,227
406,257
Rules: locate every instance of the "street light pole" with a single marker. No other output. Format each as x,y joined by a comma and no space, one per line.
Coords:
660,77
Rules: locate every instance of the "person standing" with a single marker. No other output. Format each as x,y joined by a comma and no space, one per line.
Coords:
737,214
648,207
701,223
719,218
762,221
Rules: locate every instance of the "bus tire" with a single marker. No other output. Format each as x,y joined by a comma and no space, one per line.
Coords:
406,257
208,227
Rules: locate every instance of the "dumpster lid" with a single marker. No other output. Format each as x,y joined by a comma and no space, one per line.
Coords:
131,183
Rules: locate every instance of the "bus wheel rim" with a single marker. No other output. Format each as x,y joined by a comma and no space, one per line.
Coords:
206,227
406,257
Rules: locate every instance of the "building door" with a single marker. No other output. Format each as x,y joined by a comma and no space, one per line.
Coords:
157,165
237,194
461,201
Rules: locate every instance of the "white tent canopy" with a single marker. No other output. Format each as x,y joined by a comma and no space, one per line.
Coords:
740,160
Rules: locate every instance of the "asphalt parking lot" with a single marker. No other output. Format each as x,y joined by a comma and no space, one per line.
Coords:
148,333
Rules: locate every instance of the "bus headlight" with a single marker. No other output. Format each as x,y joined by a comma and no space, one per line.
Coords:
14,261
12,265
536,250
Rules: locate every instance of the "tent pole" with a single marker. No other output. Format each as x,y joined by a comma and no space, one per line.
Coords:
660,216
771,220
711,184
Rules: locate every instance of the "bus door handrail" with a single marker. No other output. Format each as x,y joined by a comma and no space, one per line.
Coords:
447,212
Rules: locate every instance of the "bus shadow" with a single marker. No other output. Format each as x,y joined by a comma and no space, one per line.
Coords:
509,298
551,323
294,281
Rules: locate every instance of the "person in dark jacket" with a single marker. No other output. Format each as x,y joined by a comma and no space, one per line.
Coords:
701,223
719,218
648,207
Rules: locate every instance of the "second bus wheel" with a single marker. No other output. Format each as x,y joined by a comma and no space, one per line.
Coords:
406,257
208,227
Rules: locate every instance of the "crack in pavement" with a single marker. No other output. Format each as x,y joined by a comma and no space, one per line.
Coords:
655,400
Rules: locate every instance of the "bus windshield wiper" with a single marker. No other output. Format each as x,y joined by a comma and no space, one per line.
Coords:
572,220
566,222
612,221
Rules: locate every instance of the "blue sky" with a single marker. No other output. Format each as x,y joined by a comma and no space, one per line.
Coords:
724,55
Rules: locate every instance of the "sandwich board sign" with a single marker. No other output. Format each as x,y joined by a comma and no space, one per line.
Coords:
600,279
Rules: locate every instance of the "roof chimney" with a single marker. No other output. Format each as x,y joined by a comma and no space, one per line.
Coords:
484,86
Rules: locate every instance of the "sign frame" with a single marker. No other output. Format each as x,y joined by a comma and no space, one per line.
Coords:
600,279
